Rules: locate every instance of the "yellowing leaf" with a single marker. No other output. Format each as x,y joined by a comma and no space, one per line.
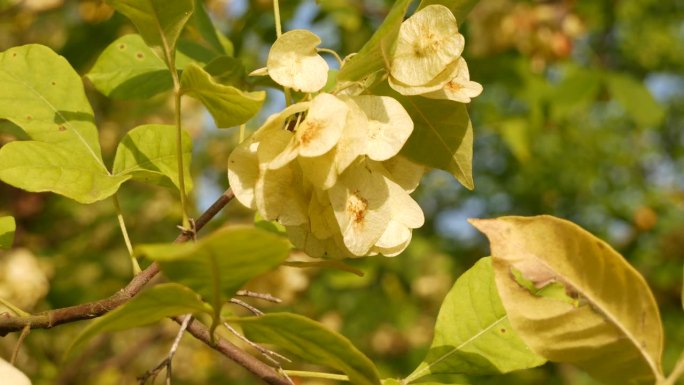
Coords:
613,331
294,62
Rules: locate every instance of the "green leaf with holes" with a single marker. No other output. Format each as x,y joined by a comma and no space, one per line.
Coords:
159,22
218,265
228,105
473,334
377,51
312,342
7,227
148,154
611,328
150,306
129,69
44,96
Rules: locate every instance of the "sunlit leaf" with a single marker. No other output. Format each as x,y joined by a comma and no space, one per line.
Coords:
312,342
442,135
636,100
151,305
219,264
460,8
41,167
7,227
375,54
159,22
228,105
44,96
613,331
129,69
473,334
148,153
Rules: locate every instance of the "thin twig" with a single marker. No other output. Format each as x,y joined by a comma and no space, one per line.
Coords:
268,354
247,306
227,348
253,294
167,362
24,332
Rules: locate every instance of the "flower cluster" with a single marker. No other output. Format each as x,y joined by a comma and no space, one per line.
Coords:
427,60
328,168
329,171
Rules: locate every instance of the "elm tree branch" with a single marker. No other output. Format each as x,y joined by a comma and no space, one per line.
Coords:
55,317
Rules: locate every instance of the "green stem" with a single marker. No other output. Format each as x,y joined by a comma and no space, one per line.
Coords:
276,14
326,376
279,32
124,232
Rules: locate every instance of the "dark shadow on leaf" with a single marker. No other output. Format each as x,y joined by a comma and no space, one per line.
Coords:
143,86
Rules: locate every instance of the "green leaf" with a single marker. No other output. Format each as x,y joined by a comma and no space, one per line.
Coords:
41,167
191,52
44,96
202,22
148,154
151,305
312,342
129,69
636,100
227,71
442,136
228,105
7,227
615,333
460,8
473,334
221,263
377,51
159,22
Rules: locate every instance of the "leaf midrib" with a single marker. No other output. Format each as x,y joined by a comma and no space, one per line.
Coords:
609,316
66,121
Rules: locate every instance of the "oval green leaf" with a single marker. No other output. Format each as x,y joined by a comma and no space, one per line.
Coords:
40,167
150,306
312,342
159,22
218,265
228,105
148,154
7,227
473,334
129,69
612,329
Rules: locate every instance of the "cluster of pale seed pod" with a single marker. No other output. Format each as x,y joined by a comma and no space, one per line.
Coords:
328,168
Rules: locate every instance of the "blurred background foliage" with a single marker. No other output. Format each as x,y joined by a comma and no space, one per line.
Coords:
582,117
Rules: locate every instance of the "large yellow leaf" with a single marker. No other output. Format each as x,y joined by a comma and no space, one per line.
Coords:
574,299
